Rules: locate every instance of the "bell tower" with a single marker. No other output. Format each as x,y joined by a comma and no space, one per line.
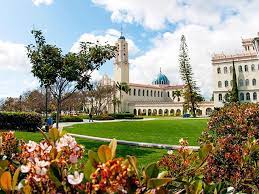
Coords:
121,63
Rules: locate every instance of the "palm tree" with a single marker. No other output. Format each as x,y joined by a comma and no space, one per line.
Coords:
123,86
177,94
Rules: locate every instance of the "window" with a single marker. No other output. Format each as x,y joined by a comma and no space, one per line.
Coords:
253,67
151,93
220,97
154,93
254,96
242,97
147,92
168,94
240,68
230,69
143,92
246,68
219,70
158,94
241,82
138,92
134,92
225,70
161,94
219,84
226,83
254,82
247,96
247,82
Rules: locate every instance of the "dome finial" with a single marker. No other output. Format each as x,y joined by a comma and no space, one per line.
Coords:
122,37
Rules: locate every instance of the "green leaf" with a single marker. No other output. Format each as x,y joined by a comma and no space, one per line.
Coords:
113,147
156,182
151,171
54,174
88,170
15,177
133,162
197,187
162,174
104,153
3,164
204,150
54,134
93,157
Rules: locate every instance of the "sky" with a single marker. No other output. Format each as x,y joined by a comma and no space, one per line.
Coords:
152,28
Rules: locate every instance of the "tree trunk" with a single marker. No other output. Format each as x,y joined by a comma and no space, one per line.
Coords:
58,112
120,102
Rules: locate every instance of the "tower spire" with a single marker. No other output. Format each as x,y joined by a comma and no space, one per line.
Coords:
160,70
121,31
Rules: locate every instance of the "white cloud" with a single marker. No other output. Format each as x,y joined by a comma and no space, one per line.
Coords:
110,36
13,56
42,2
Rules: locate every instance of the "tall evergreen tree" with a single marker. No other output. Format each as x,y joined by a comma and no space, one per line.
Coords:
191,91
234,91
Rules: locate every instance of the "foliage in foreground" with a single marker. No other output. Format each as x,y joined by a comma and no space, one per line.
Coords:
227,162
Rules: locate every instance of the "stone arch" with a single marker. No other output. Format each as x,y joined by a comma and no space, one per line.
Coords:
160,111
144,112
149,112
166,112
178,112
139,111
154,112
172,112
199,112
135,111
208,111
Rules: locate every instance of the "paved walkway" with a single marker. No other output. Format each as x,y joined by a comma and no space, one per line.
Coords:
66,124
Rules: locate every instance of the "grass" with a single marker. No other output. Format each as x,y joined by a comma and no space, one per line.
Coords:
154,131
158,131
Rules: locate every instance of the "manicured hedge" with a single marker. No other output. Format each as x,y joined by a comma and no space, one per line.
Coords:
122,115
102,117
68,118
20,121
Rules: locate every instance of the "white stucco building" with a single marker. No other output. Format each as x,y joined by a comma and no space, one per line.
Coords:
156,98
247,71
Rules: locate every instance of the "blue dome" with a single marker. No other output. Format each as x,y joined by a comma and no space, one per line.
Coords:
161,79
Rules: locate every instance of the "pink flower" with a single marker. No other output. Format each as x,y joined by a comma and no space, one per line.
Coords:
31,146
76,178
73,159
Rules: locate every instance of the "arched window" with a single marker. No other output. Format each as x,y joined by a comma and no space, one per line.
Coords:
246,68
143,92
247,96
247,82
254,82
242,96
154,93
151,93
230,69
147,92
134,92
240,68
226,83
253,67
219,84
254,96
138,92
220,97
161,94
225,70
158,94
168,94
241,82
219,70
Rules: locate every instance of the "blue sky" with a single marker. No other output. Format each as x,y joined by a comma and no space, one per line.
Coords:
153,29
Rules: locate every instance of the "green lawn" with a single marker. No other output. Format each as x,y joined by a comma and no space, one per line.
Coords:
155,131
158,131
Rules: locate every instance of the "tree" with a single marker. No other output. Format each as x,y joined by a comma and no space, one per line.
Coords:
123,86
65,73
234,91
191,91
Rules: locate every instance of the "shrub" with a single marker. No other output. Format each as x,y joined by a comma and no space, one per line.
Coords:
68,118
102,117
20,121
122,115
234,132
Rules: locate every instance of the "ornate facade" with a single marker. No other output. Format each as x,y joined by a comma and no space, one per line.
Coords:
158,98
247,71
